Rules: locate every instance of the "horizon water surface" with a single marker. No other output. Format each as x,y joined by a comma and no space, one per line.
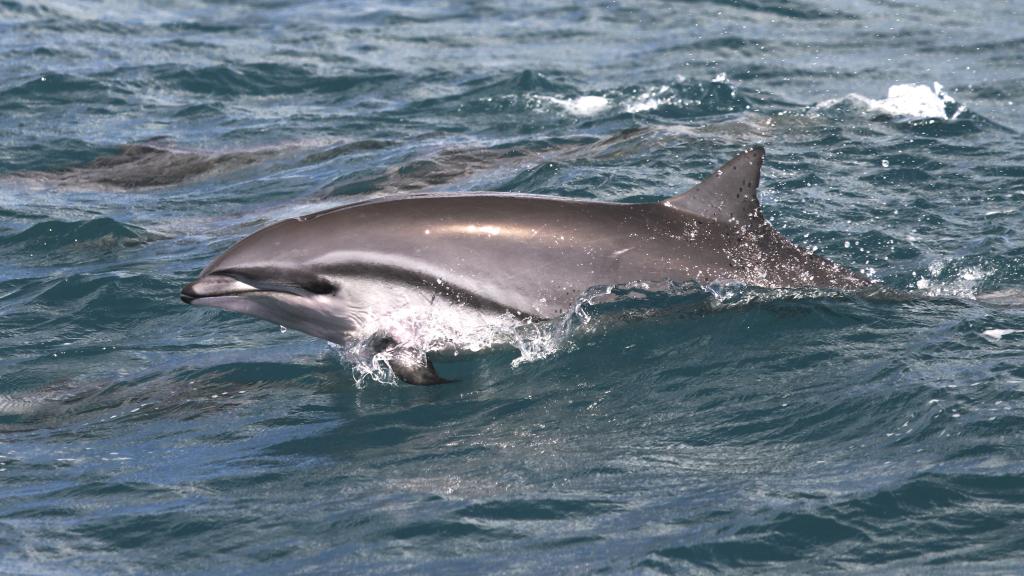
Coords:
695,430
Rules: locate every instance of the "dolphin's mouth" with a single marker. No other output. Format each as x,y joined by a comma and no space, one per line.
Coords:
215,285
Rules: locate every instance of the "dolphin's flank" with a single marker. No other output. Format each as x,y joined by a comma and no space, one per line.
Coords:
335,274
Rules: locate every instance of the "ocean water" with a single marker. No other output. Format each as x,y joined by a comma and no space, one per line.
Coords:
719,429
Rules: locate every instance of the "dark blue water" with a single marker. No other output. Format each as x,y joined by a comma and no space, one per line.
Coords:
685,433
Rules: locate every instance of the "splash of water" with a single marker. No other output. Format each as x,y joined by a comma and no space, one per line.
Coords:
632,101
454,329
906,102
946,279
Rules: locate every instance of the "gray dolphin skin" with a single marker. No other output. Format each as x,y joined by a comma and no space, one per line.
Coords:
330,274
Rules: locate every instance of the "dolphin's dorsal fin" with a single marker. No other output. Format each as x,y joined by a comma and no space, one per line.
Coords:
729,195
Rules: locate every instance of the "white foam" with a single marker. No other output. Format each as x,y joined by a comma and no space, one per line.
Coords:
591,105
906,101
648,100
964,285
996,334
633,103
453,328
581,106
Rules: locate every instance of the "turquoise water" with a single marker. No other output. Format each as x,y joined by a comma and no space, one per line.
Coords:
731,429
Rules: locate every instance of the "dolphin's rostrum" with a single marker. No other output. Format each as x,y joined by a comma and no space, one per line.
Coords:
328,274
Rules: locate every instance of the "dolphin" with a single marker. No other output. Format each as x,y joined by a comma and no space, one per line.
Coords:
149,164
334,274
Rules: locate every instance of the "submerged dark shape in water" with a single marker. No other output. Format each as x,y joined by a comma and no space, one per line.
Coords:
339,274
147,165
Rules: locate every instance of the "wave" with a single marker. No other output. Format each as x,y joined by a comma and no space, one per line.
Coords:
540,166
993,279
534,92
790,9
51,88
678,100
42,156
418,170
490,95
56,238
904,102
925,517
268,79
11,9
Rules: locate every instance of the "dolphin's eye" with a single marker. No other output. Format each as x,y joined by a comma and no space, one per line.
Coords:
318,285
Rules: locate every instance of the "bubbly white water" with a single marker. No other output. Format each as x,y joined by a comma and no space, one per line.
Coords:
452,328
581,106
648,100
632,101
448,328
996,334
965,283
906,101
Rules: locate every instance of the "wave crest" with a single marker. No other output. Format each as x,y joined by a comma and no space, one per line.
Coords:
96,234
680,99
904,102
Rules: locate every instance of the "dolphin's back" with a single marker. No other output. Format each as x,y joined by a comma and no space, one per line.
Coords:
531,254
